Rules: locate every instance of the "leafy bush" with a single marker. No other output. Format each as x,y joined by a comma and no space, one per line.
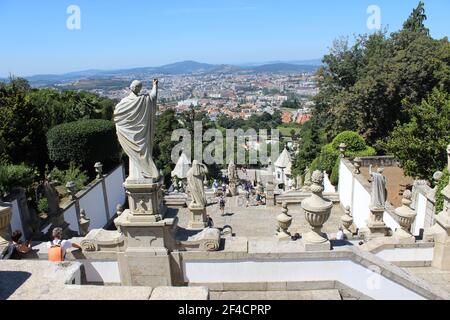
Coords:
441,186
84,142
73,173
12,176
334,178
42,205
314,165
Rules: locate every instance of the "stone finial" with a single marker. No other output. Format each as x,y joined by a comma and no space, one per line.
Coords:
119,209
284,222
317,181
342,149
405,217
347,222
357,162
71,188
99,169
84,223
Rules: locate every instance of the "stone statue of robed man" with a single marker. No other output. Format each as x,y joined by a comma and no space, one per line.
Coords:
195,183
135,125
379,191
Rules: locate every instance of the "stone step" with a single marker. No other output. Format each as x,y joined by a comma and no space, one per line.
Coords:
332,294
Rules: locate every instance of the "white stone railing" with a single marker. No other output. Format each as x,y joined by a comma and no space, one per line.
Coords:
99,200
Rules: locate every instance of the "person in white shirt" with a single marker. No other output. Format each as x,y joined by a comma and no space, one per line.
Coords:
340,234
63,244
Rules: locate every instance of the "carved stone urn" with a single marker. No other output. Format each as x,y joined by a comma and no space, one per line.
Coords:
317,211
84,223
5,219
357,162
284,222
405,217
347,222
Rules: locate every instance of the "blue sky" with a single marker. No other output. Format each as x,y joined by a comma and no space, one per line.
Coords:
121,34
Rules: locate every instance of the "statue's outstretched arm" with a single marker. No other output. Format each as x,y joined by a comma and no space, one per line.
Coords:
154,93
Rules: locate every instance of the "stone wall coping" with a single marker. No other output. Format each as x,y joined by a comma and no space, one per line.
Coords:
43,280
364,258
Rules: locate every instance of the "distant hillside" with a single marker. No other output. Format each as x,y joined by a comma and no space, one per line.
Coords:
178,68
283,67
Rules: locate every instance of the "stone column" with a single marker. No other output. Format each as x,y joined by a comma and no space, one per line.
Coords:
405,216
284,222
149,236
317,211
270,194
441,257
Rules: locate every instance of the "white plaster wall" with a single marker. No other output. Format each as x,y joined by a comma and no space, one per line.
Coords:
390,221
345,185
421,211
360,207
70,215
406,254
102,271
16,220
115,190
347,272
94,204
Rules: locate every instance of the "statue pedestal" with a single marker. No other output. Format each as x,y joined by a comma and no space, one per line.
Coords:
270,195
148,237
145,200
233,189
441,257
376,224
198,218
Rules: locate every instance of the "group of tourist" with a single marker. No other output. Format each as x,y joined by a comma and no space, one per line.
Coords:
57,248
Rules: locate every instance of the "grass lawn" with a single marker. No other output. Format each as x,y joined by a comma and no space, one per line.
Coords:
286,131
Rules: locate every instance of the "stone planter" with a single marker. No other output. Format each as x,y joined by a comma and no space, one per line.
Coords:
317,211
347,223
5,220
357,162
405,218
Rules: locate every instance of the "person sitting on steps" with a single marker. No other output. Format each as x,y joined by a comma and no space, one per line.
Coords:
57,247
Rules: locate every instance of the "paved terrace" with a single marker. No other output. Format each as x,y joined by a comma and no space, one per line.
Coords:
258,222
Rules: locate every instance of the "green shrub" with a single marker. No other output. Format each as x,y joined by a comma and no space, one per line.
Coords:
314,165
84,142
441,186
42,205
328,157
73,173
334,178
12,176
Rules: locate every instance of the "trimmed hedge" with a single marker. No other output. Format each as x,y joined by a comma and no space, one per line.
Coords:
352,139
83,142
